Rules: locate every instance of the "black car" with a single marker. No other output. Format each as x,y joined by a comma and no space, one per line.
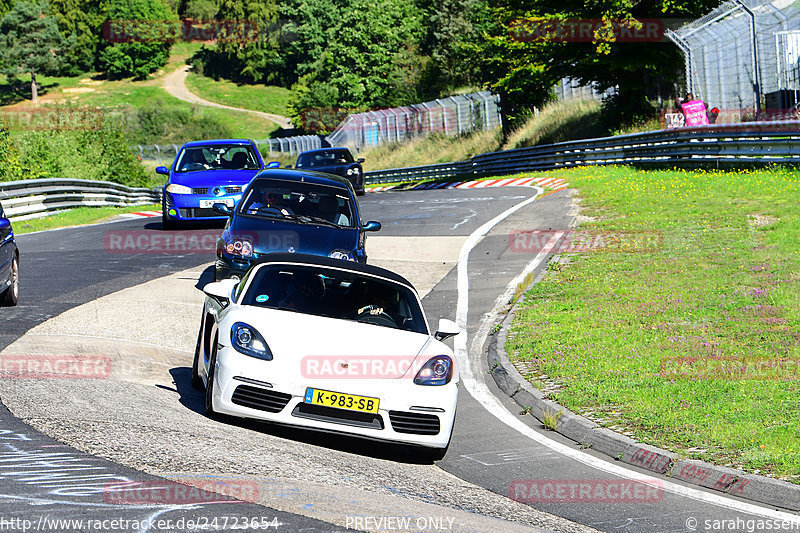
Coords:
291,211
9,263
338,161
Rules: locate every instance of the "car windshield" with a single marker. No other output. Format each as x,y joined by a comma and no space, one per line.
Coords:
324,158
299,202
217,157
335,293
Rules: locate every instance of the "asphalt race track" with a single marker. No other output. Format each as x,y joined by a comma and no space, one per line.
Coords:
139,310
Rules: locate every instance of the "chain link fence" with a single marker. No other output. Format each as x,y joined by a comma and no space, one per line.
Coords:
743,57
166,153
452,116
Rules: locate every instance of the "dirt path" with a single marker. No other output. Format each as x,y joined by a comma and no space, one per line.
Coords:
175,84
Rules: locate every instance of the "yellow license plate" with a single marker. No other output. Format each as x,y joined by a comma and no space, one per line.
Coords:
340,400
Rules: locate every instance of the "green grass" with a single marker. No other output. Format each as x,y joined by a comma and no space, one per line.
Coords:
646,341
77,217
557,122
265,98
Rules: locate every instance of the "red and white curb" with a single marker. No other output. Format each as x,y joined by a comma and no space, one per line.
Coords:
142,214
553,183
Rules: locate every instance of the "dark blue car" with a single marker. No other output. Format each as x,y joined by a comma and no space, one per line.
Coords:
9,263
292,211
205,173
338,161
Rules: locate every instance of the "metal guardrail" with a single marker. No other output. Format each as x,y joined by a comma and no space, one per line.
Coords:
26,199
714,146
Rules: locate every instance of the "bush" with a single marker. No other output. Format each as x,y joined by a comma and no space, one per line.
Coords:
160,123
144,54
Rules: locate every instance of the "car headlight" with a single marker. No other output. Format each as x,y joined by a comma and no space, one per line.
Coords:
241,247
247,340
352,171
174,188
342,254
437,371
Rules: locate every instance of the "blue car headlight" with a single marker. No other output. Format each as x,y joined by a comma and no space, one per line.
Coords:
174,188
437,371
342,254
247,340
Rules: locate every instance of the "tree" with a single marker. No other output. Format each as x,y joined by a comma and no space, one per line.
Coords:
30,42
84,19
145,30
523,68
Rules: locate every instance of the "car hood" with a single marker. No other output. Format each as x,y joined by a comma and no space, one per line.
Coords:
370,351
274,235
209,178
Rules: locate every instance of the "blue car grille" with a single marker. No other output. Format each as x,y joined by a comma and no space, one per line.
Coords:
228,190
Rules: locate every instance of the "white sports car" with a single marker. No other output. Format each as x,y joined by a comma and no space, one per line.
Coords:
329,345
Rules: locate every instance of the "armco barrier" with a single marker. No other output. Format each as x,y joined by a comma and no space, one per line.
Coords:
714,146
28,199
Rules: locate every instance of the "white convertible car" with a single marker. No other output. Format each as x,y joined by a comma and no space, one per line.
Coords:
329,345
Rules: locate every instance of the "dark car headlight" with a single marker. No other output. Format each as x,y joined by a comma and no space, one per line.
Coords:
353,171
241,247
437,371
245,339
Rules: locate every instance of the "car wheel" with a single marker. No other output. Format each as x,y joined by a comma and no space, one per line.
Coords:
11,296
197,381
212,364
166,222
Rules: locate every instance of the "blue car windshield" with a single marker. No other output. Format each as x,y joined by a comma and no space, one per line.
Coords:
324,158
298,202
334,293
217,157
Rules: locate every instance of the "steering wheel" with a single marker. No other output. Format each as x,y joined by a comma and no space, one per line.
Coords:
372,314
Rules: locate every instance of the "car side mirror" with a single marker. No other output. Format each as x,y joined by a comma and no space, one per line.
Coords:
4,223
288,166
222,209
372,225
162,170
274,164
221,290
446,329
360,160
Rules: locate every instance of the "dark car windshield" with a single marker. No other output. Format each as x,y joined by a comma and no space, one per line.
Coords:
324,158
298,202
337,294
217,157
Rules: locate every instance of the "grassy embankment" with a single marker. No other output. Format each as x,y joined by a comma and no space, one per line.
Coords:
77,217
693,344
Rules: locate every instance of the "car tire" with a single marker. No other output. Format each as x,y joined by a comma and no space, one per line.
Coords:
166,222
209,396
11,296
197,381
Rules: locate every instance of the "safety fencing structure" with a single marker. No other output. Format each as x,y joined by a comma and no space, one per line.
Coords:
283,145
452,116
716,146
26,199
743,57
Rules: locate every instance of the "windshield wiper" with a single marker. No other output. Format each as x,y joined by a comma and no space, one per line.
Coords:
320,220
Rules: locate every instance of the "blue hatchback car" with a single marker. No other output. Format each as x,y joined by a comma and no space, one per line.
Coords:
291,211
205,173
9,263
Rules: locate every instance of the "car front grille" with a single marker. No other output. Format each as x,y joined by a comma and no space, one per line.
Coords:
338,416
416,423
231,189
261,399
196,212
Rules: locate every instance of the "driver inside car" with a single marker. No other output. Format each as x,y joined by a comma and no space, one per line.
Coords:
271,202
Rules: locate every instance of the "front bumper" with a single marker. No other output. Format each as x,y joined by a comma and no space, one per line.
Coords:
187,206
408,413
